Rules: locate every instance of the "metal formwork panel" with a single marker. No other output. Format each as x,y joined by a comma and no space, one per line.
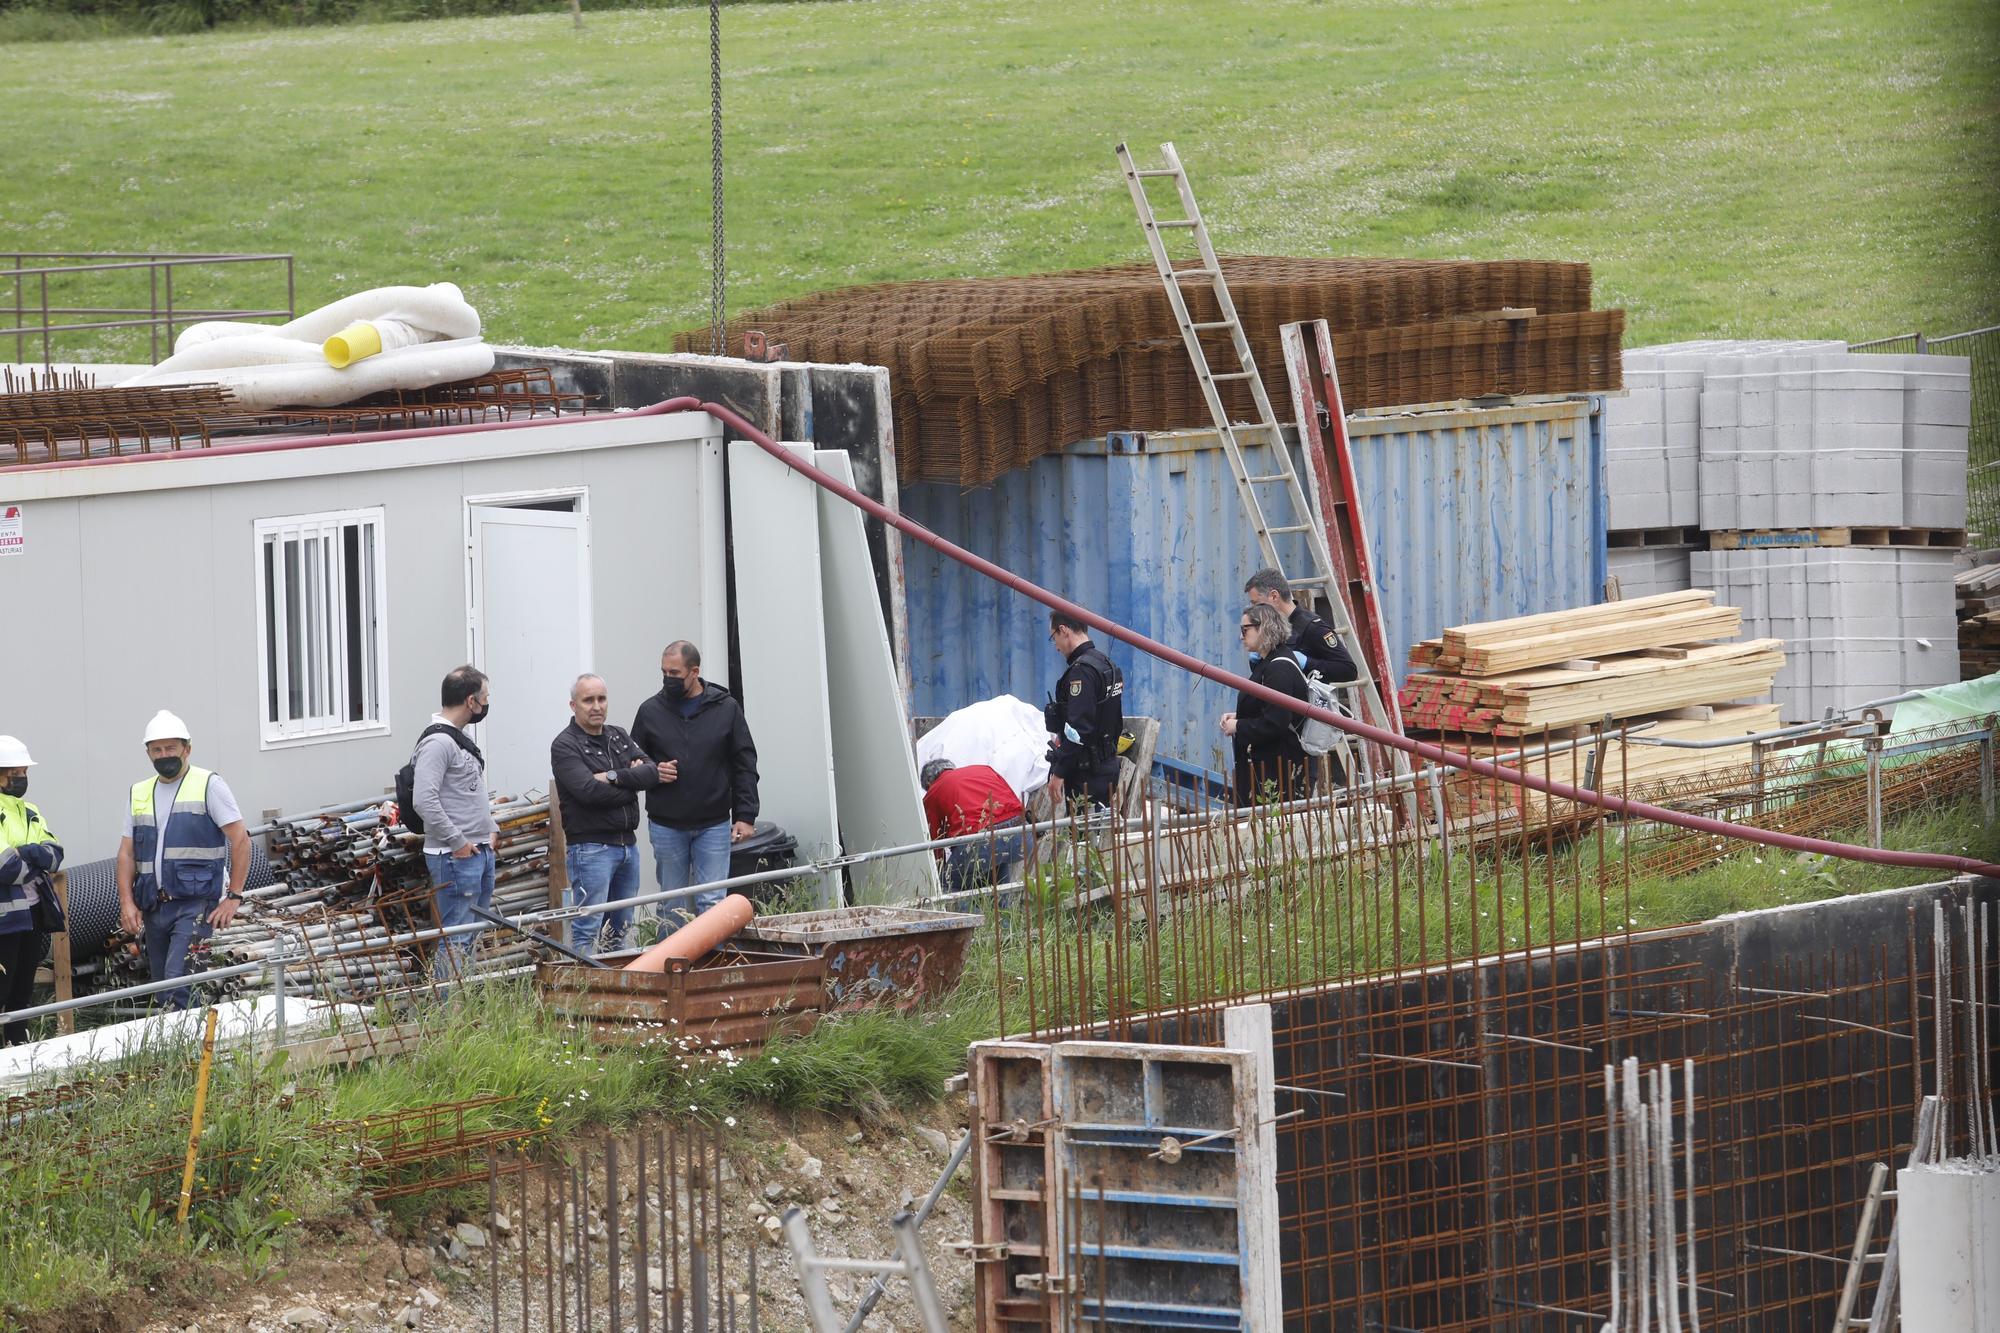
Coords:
1012,1217
1164,1169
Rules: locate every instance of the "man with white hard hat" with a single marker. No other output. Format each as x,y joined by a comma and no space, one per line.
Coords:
29,858
184,857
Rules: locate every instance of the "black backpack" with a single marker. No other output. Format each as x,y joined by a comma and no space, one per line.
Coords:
406,776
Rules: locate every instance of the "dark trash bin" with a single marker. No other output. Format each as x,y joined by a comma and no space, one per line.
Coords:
767,848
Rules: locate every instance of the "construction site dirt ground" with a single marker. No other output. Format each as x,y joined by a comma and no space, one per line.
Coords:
360,1274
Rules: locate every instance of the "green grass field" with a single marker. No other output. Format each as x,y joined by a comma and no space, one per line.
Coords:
1729,169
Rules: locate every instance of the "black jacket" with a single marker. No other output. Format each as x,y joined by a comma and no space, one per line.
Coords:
594,811
1268,753
1089,699
1325,657
718,760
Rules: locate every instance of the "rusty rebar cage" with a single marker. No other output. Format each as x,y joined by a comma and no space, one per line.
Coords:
71,422
1447,992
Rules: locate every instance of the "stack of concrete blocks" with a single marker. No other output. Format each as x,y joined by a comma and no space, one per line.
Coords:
1652,456
1859,623
1819,440
1790,435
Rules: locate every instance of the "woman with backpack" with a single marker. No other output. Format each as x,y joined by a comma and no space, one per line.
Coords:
1270,761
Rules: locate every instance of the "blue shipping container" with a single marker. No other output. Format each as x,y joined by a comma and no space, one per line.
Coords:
1472,515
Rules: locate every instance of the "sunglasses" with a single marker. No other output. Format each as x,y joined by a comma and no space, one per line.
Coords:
1244,629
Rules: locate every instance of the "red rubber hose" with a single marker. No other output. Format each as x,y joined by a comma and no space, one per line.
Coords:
1961,865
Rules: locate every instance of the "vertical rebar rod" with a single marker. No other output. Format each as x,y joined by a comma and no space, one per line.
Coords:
1986,769
581,1174
1694,1308
1941,1008
521,1228
1982,1007
564,1256
715,1205
1872,748
670,1178
613,1189
642,1265
1616,1196
548,1254
1670,1289
493,1240
698,1285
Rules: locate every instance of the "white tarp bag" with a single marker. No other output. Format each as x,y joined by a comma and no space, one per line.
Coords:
1004,734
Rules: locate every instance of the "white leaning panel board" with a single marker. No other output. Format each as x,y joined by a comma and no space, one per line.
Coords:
878,799
781,632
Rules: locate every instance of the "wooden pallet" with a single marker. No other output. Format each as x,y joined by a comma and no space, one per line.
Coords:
1628,539
1764,538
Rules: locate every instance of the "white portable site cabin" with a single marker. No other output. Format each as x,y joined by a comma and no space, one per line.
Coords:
298,602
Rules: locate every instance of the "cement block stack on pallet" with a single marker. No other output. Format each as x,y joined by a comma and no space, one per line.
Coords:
1653,439
1829,500
1863,623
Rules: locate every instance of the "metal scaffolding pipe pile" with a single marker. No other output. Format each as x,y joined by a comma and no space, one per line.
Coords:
351,884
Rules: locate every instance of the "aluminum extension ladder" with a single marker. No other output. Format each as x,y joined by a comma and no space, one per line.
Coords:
1323,583
909,1264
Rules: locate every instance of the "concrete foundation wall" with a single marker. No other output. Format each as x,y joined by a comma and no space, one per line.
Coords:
1448,1170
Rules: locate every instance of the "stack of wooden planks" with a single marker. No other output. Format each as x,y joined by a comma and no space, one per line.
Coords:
1626,767
1493,689
1560,636
1978,620
1515,678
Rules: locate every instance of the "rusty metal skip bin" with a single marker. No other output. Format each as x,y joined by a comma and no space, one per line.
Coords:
732,999
876,955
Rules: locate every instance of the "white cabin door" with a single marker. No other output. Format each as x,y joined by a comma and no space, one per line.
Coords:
529,627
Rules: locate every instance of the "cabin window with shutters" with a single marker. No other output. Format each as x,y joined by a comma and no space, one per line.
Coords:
322,628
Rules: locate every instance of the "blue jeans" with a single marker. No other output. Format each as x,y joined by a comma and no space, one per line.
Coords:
172,926
458,884
599,873
976,865
691,856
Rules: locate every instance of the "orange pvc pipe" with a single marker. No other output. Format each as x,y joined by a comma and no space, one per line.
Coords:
698,936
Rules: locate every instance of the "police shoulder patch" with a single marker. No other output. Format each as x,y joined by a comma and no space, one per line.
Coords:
1331,641
1076,686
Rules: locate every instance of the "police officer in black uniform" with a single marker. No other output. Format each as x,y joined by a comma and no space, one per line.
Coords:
1318,649
1085,716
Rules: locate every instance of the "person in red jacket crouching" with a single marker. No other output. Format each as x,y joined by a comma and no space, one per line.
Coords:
973,799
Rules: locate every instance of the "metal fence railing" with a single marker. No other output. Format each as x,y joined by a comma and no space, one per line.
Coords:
1982,466
55,295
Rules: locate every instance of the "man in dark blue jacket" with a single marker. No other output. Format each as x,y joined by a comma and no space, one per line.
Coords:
1085,717
706,800
1313,643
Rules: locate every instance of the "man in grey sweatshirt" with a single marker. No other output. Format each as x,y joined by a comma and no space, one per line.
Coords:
450,795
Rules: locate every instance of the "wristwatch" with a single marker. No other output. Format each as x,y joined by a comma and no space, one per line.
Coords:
232,897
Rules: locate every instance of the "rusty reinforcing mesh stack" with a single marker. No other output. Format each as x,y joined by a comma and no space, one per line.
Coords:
988,374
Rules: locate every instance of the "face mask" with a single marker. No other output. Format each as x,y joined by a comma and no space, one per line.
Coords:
17,787
479,716
674,687
1256,658
168,768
